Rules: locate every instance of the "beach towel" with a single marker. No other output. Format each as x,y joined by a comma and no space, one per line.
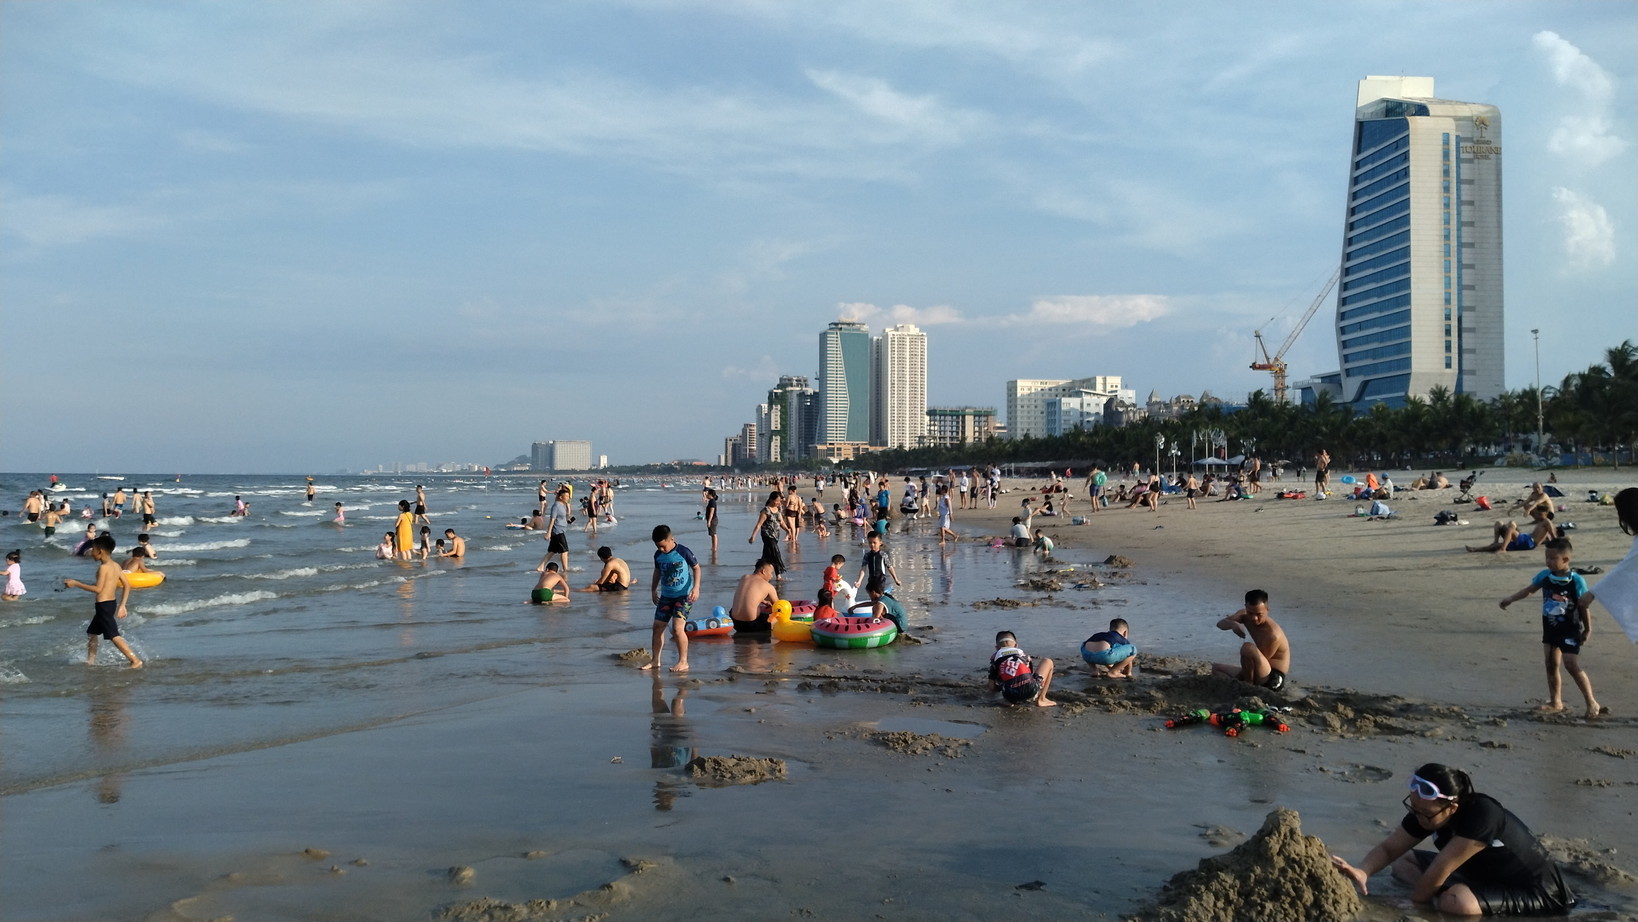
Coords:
1618,593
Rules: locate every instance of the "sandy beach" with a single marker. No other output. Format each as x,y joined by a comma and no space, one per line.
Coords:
780,781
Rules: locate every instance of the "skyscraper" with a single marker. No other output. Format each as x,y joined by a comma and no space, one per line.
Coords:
899,385
844,382
1419,304
788,435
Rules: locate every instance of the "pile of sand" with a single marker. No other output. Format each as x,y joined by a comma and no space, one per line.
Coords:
920,744
1277,875
720,771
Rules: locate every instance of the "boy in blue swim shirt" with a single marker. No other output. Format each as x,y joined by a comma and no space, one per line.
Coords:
1111,653
675,587
1565,625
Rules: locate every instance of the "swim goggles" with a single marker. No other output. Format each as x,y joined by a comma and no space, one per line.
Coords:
1427,790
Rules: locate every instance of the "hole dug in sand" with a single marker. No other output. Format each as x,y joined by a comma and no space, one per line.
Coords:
1277,875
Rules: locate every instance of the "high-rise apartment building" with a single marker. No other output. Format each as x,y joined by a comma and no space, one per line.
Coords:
844,383
561,455
789,431
1028,400
898,383
1419,303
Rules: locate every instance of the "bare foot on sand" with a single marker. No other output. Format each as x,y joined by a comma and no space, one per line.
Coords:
1549,708
1596,710
137,664
647,667
1045,703
680,667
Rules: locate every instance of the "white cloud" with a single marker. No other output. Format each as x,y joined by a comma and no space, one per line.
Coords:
1572,68
871,315
764,370
923,117
1589,234
57,220
1110,312
1585,136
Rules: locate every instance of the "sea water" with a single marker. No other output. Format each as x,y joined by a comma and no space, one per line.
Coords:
282,625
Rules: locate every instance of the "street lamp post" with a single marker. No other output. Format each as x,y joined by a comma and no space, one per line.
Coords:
1174,453
1540,449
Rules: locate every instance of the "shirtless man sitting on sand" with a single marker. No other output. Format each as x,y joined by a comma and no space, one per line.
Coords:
455,545
615,576
1265,658
755,590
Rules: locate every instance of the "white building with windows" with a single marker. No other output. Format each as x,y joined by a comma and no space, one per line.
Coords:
1419,303
1031,410
898,383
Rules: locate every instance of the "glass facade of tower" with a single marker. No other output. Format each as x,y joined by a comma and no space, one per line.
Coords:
1419,302
844,382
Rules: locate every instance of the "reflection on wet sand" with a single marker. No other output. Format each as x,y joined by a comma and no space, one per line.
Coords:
670,743
106,708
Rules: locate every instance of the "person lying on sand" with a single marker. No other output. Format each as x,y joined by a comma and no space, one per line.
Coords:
1265,659
1506,537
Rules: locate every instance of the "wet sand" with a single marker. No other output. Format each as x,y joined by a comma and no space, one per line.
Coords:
906,791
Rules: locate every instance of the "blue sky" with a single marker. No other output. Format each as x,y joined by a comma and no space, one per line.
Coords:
311,236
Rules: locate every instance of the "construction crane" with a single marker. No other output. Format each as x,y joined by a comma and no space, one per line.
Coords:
1276,363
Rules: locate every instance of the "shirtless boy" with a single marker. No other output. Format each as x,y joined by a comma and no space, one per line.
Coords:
104,623
615,576
454,545
551,579
1265,659
755,590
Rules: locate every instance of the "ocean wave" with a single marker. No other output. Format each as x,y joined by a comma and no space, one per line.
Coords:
10,675
19,622
308,571
231,598
209,545
182,520
220,519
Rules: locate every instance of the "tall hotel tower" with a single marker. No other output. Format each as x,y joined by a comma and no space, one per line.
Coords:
899,382
844,383
1420,302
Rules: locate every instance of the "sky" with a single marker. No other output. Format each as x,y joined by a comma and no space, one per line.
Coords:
322,236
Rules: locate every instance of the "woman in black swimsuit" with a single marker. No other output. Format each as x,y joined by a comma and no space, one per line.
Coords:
1488,862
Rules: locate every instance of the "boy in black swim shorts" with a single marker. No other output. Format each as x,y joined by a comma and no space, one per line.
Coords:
104,622
1018,677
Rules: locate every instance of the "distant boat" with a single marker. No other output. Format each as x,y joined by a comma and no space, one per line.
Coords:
106,477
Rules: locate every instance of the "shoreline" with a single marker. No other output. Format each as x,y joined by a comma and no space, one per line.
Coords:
541,788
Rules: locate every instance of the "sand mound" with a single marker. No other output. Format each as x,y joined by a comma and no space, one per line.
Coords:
1584,859
1277,875
1005,603
639,655
919,744
720,771
1116,560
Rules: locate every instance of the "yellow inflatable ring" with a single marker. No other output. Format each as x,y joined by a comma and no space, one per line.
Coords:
144,579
